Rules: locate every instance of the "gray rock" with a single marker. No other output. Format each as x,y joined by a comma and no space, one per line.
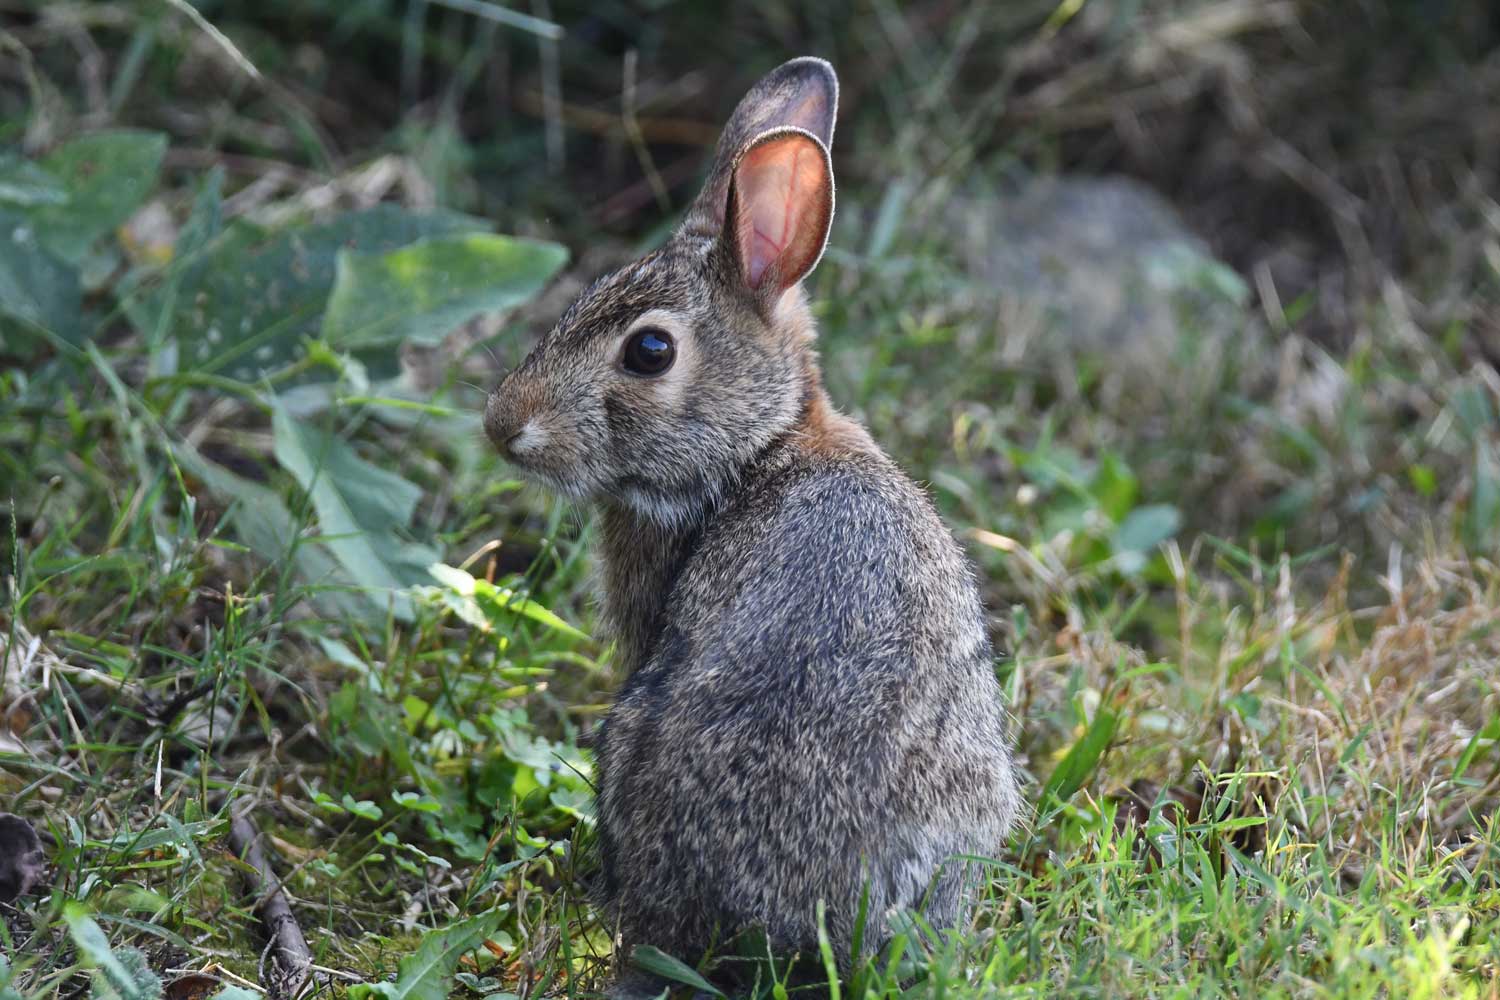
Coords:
1099,265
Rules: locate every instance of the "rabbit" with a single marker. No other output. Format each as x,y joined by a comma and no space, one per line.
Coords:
809,712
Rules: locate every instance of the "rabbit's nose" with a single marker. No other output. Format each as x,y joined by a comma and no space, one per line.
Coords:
510,422
501,421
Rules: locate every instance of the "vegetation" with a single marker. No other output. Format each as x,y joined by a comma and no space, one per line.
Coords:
262,575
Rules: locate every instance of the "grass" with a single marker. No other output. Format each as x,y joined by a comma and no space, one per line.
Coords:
1248,593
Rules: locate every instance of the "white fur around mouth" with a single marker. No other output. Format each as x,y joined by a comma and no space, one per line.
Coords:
529,441
569,488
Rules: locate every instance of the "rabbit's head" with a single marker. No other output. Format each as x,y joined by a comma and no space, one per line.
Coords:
665,378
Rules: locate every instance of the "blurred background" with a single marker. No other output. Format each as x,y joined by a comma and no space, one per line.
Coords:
1323,148
1187,312
1318,171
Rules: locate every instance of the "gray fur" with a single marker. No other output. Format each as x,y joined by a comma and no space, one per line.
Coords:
810,707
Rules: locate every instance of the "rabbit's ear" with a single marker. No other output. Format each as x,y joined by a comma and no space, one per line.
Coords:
780,206
802,93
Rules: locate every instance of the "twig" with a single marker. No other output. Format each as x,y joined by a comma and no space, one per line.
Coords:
677,131
637,140
629,200
219,38
289,101
286,940
540,27
551,92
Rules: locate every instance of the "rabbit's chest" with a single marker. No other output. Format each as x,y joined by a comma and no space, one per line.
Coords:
638,565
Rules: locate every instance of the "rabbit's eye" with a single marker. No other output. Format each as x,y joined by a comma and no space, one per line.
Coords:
649,352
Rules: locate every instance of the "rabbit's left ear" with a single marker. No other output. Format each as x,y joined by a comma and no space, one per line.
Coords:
802,93
780,208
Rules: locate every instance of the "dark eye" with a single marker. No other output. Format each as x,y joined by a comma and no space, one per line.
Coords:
649,352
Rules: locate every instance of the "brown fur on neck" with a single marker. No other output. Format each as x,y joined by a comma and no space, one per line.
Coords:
820,428
825,432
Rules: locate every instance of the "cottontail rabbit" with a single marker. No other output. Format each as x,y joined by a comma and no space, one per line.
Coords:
810,710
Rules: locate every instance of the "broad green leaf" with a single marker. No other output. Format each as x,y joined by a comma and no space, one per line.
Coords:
576,802
1082,758
143,984
6,993
492,601
427,973
505,600
262,521
417,802
236,993
36,288
360,507
115,977
1144,528
659,963
422,291
149,296
342,654
1114,487
455,579
325,801
26,184
106,176
206,220
1482,520
363,808
379,500
244,304
1470,405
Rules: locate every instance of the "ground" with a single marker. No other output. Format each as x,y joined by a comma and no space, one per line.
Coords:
264,580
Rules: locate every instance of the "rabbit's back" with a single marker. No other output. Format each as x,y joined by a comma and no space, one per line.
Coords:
817,707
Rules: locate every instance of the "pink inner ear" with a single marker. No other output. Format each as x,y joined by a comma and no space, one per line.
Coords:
782,189
807,115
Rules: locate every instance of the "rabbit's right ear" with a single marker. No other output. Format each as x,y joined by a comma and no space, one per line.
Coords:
802,94
780,209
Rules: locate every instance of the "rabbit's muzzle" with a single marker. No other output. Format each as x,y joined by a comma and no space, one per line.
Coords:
511,421
549,437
